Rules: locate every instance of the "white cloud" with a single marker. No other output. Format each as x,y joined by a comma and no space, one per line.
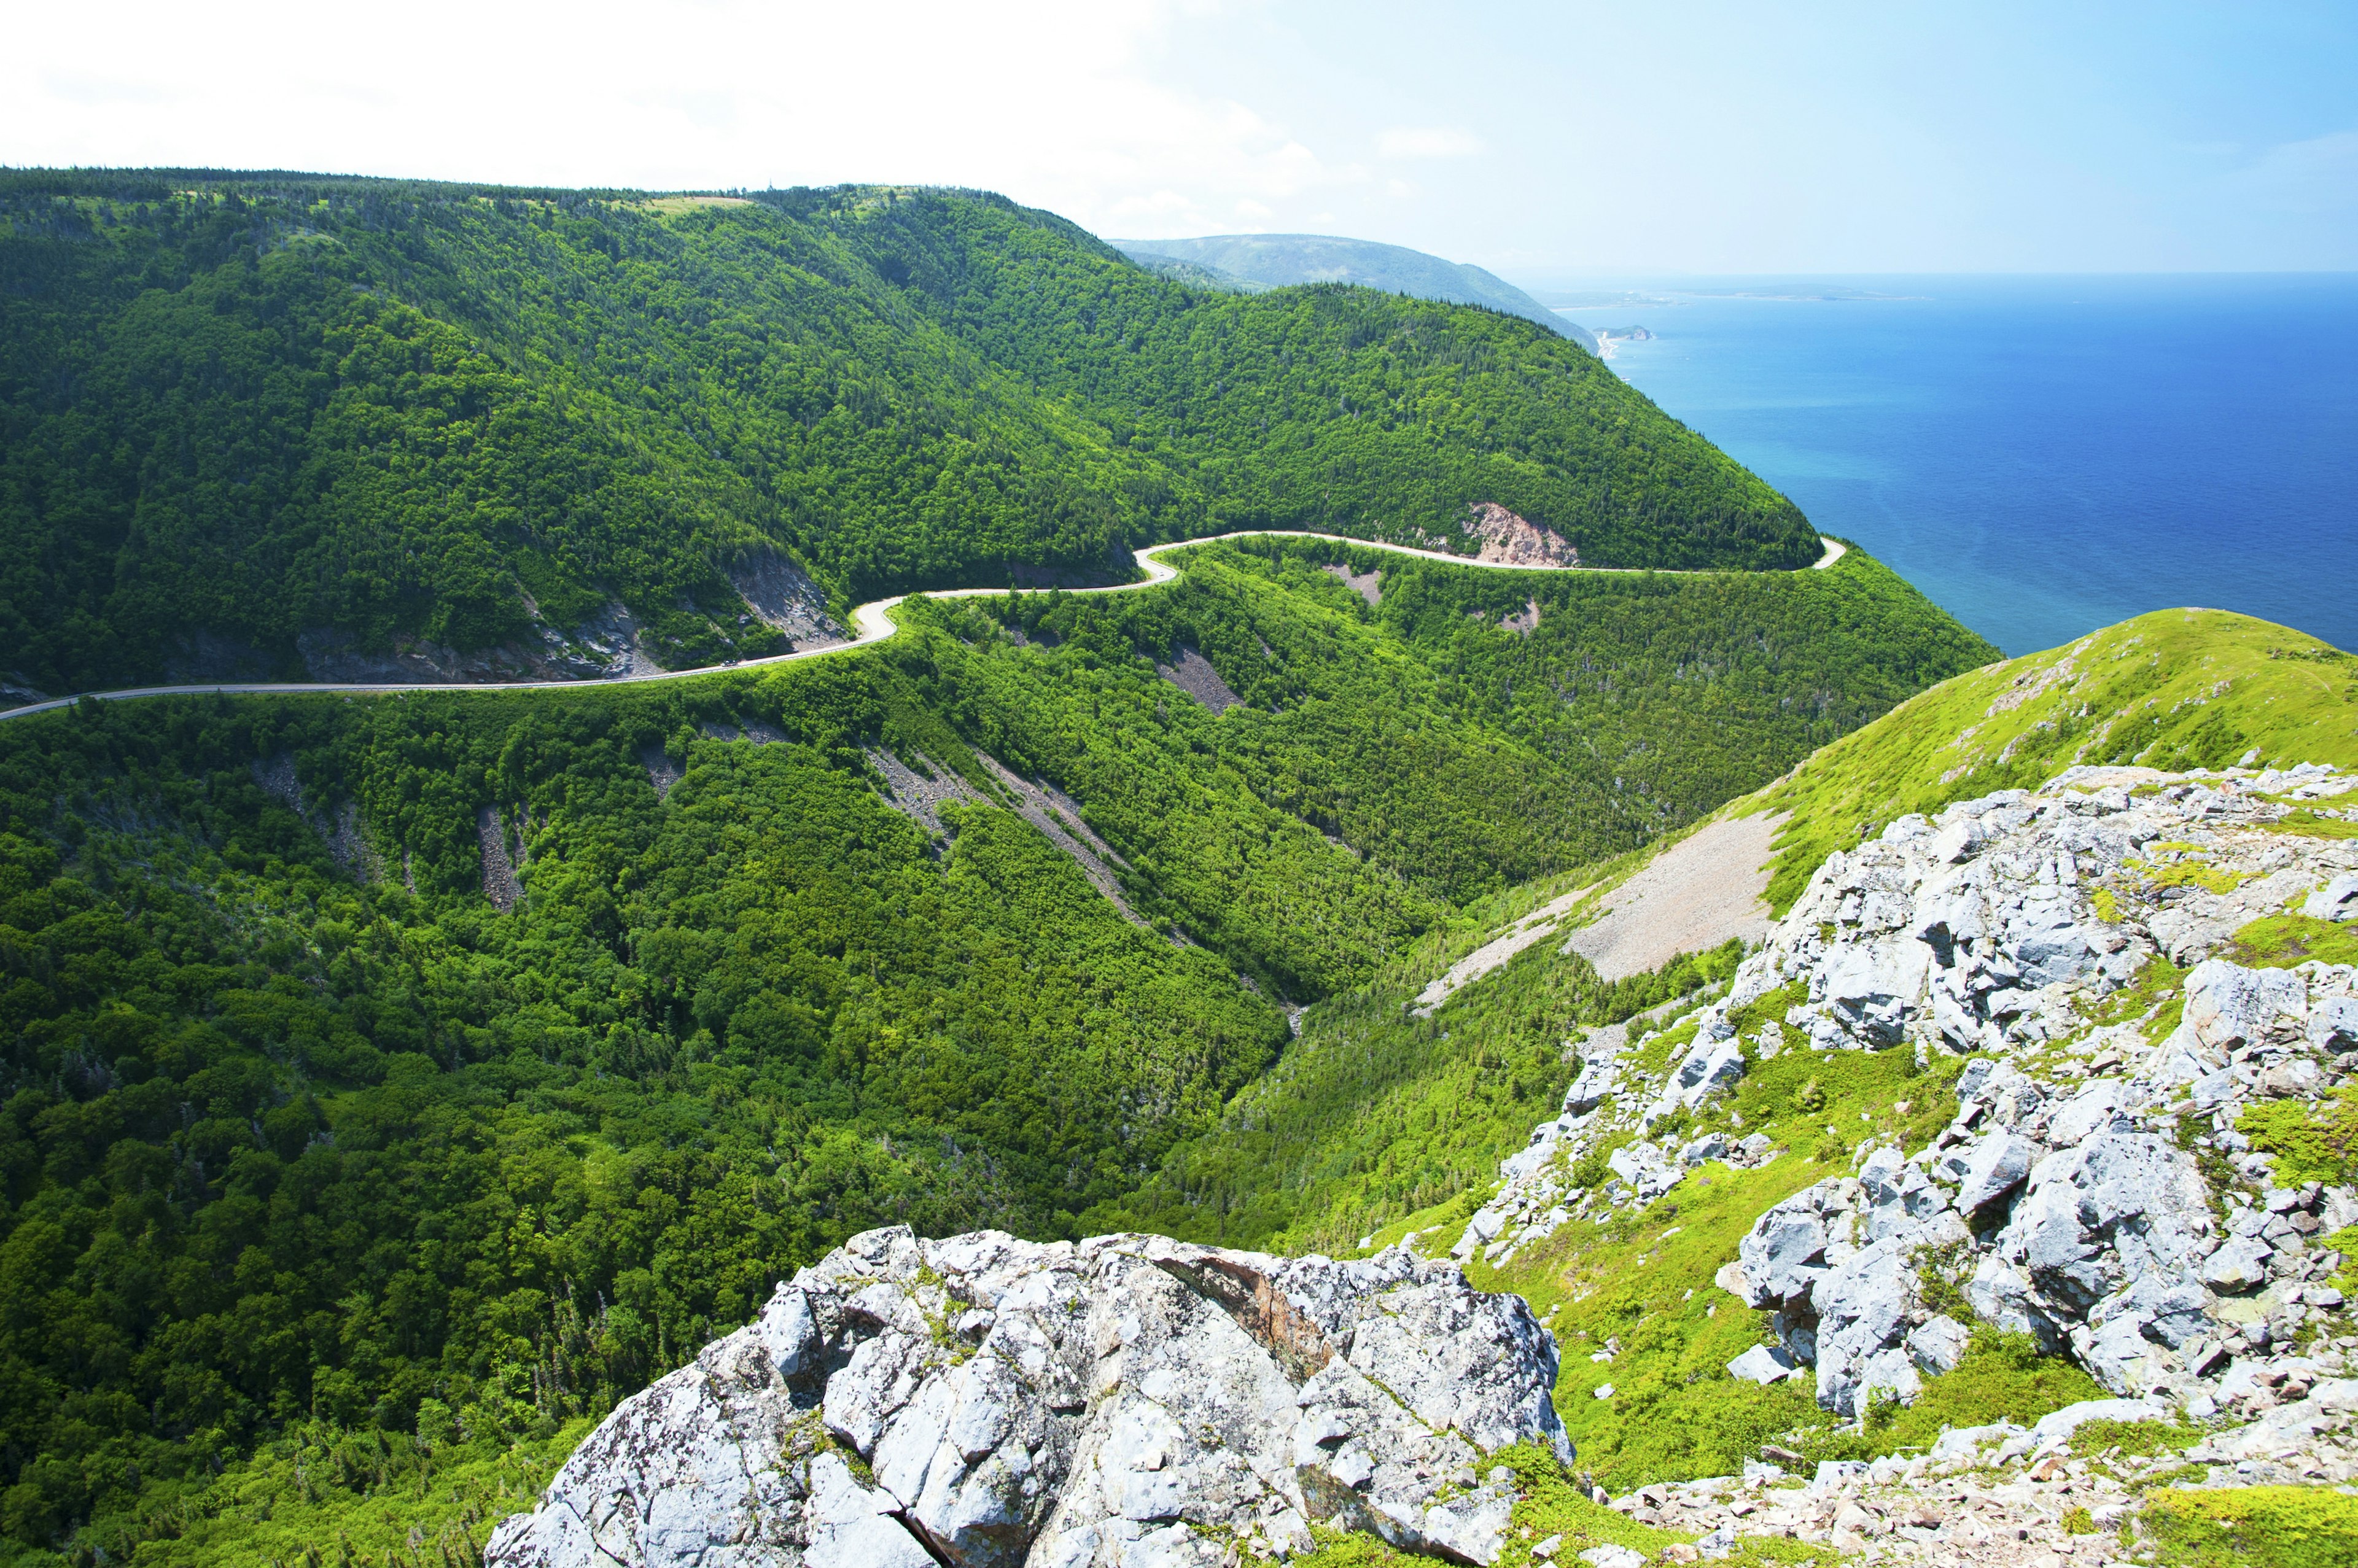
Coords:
1055,101
1428,141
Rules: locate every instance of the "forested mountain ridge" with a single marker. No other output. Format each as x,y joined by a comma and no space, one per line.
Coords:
257,423
395,1081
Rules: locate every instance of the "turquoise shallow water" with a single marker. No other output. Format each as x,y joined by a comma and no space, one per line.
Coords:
2042,456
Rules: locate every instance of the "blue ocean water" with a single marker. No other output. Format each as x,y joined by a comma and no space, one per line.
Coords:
2042,455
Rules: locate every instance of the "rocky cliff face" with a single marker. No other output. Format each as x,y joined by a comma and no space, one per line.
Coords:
986,1403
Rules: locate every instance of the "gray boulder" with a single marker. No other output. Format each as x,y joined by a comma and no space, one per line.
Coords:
1642,1166
2057,1426
1598,1075
2100,1107
1937,1345
1872,985
2337,899
1080,1406
2054,947
2119,1209
1996,1165
2126,1342
1764,1364
2241,1264
2333,1024
1783,1256
1701,1151
2229,1007
1710,1065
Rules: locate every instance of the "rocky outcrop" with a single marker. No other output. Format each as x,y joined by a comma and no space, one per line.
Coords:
1511,540
2066,1188
2068,1198
985,1402
780,596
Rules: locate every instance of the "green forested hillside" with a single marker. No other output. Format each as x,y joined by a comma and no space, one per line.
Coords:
236,409
334,1195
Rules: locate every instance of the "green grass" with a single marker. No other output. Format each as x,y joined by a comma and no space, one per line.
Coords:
2310,824
2281,941
2002,1378
2135,1439
2253,1526
2309,1147
2175,689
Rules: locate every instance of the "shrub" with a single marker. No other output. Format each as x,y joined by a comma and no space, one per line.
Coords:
2253,1527
2135,1439
2309,1147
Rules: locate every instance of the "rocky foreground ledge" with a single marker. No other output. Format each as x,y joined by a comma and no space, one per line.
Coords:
986,1403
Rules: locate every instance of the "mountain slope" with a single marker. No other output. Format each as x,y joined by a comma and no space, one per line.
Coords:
1378,1110
390,1082
1272,261
2176,688
258,425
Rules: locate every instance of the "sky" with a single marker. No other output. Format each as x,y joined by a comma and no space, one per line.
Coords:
1548,142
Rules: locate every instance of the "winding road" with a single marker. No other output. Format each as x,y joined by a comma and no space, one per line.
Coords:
870,622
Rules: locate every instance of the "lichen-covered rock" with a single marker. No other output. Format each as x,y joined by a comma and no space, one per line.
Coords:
988,1402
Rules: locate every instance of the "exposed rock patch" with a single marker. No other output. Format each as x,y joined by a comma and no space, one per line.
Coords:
1058,816
1511,540
2093,1189
778,594
1529,930
662,772
340,829
609,645
1368,585
758,732
500,883
205,656
919,793
1193,674
986,1403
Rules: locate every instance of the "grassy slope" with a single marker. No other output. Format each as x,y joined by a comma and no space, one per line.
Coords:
2177,688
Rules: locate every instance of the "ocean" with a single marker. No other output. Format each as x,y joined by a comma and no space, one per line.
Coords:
2042,456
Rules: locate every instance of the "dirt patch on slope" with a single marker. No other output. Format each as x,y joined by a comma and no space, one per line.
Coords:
1692,896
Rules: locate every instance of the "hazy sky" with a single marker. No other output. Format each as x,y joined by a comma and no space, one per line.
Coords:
1541,140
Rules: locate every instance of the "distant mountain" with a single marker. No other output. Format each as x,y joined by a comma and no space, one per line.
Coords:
1199,276
1248,262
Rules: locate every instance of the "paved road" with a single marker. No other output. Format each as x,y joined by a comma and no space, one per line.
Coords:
870,622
